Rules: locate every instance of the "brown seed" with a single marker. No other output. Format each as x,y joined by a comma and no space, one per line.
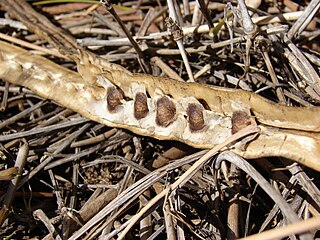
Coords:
140,105
195,115
239,120
166,112
114,97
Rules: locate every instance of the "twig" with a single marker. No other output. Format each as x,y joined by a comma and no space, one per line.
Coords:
305,182
282,232
4,101
205,12
305,19
65,144
10,194
177,33
246,167
40,215
273,76
250,29
131,193
303,67
192,30
188,174
166,69
143,61
53,52
169,223
22,114
234,205
95,139
42,130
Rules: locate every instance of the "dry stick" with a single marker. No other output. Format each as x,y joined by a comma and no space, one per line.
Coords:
123,185
170,154
4,101
40,215
243,165
305,19
94,205
16,89
12,24
178,36
65,144
66,218
43,130
112,218
306,183
57,192
282,232
99,138
19,164
205,12
180,228
209,46
273,76
146,223
166,69
56,118
131,193
198,49
151,16
75,182
72,157
276,197
189,173
305,68
203,70
197,16
234,205
42,26
93,233
169,223
186,7
274,211
250,29
44,117
8,174
21,114
109,23
143,61
296,98
198,29
53,52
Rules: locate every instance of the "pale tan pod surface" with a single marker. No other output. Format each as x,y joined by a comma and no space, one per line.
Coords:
69,89
225,101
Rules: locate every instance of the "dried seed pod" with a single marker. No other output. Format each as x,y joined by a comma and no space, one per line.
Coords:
239,120
114,97
140,105
166,112
195,116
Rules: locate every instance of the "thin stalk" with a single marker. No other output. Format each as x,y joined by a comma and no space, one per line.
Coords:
178,38
143,62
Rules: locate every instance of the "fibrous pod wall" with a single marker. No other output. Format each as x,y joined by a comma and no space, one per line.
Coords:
198,115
